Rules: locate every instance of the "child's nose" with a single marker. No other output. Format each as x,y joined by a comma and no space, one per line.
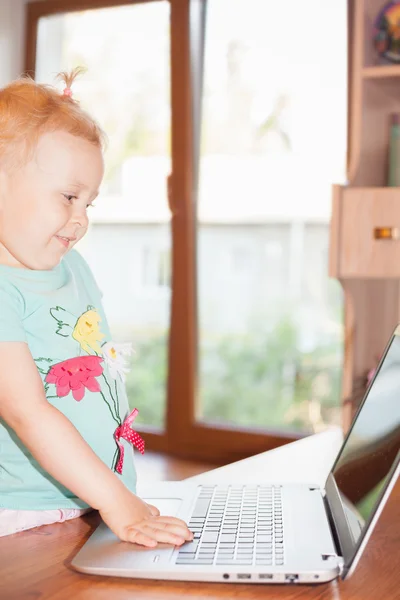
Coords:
80,218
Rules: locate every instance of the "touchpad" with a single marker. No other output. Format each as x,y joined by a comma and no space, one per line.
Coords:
167,506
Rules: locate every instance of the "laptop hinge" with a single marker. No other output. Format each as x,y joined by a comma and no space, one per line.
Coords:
338,560
338,555
332,527
330,555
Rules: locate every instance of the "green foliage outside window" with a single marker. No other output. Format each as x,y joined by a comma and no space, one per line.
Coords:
254,380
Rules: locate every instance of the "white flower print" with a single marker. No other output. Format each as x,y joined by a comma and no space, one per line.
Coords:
115,356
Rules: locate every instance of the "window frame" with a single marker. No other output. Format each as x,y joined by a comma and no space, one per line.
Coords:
184,436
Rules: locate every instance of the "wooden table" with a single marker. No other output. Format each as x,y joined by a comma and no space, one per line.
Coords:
35,564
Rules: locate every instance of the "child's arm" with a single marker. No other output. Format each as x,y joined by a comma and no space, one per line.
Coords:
63,453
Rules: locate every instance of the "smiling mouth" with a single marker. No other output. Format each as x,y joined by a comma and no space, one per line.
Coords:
65,240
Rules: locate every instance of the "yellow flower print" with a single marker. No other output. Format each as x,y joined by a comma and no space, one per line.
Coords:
87,331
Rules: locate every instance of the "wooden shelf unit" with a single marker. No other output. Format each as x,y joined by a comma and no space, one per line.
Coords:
368,268
381,72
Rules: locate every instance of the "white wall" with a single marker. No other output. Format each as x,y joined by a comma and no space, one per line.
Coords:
12,39
12,31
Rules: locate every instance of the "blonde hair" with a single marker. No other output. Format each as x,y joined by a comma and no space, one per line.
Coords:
29,109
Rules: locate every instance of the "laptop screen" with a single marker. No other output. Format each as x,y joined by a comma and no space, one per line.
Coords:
363,467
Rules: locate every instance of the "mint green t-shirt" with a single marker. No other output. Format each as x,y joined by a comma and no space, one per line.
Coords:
59,314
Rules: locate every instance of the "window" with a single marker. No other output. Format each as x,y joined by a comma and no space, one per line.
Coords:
225,270
270,150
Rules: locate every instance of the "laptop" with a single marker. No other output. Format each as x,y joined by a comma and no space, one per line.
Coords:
275,532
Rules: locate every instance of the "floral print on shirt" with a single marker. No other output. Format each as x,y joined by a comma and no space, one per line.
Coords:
86,372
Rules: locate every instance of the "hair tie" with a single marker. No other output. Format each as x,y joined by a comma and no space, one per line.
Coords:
67,92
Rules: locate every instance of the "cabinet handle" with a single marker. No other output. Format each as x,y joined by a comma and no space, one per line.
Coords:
387,233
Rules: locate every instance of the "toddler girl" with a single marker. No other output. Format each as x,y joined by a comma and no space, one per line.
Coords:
66,443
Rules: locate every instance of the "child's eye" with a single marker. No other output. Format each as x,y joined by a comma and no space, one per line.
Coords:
69,197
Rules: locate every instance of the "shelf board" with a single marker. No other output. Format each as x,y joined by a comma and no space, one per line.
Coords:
381,72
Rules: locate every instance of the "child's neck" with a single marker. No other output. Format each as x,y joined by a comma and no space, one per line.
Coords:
8,260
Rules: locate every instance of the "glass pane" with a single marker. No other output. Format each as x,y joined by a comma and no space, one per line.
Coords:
127,88
273,142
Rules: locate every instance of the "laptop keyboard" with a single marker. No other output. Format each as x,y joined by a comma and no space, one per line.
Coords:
236,525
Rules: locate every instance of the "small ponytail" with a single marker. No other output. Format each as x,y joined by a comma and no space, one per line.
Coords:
68,78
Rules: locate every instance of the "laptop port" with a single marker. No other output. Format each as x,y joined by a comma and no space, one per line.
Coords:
244,576
265,576
291,577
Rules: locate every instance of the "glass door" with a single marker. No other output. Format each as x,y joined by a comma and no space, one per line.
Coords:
273,143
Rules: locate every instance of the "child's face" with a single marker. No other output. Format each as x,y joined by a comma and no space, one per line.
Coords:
43,205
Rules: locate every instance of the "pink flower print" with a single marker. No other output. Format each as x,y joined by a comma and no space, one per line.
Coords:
76,374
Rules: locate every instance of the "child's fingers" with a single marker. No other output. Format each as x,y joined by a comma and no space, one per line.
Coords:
176,529
161,535
134,536
172,520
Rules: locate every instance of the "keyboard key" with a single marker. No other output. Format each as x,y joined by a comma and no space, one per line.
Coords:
226,537
179,561
201,508
234,561
246,520
230,520
189,547
208,544
244,558
203,561
212,536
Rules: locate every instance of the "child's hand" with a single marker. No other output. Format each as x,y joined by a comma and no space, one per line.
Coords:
133,520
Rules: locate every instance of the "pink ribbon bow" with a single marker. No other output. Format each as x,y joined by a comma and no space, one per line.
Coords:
125,431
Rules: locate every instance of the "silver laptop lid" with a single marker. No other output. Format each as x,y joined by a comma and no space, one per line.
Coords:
367,465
